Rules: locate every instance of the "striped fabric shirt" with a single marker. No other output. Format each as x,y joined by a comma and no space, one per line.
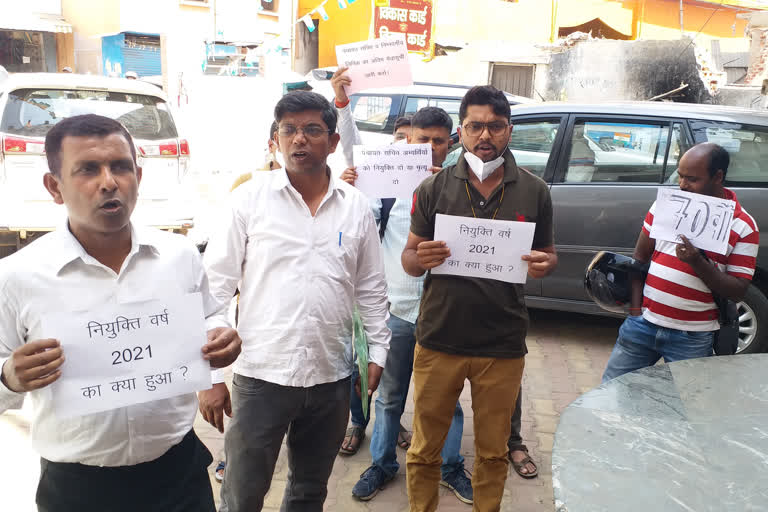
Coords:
675,297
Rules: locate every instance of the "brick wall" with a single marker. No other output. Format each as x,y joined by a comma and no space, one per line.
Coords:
758,57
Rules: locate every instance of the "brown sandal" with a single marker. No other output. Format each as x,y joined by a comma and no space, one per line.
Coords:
353,432
520,465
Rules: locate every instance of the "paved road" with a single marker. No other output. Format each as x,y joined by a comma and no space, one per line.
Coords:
567,354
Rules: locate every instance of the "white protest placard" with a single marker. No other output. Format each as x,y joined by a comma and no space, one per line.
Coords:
376,63
704,220
126,354
394,170
485,248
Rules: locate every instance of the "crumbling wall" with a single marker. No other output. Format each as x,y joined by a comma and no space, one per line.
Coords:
758,56
603,70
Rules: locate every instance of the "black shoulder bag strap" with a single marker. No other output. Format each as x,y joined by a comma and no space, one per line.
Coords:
386,207
727,338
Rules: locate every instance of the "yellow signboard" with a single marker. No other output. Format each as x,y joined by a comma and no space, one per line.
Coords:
381,3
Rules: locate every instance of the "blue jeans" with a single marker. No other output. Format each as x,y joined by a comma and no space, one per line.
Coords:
393,389
642,343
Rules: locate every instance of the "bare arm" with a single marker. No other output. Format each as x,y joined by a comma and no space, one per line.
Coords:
421,254
643,251
348,131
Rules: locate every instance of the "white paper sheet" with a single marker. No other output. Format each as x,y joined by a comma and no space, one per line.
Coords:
376,63
125,354
485,248
704,220
394,170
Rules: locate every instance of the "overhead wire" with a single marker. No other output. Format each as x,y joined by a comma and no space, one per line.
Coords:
702,28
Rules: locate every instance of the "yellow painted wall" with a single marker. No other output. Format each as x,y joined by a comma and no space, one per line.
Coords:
91,17
661,20
525,20
483,20
343,26
531,21
616,14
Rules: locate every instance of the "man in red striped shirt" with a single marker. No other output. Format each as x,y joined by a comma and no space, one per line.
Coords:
673,315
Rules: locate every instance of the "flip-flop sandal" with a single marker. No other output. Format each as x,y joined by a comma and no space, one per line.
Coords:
353,432
402,442
520,465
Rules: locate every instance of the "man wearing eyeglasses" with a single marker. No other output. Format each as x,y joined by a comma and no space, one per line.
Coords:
472,328
304,248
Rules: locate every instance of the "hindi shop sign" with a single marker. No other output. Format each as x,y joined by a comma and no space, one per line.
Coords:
413,18
704,220
485,248
376,63
392,171
125,354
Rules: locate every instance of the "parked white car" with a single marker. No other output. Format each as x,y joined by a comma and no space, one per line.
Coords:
31,103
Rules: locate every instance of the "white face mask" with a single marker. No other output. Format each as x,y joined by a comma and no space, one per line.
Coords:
482,169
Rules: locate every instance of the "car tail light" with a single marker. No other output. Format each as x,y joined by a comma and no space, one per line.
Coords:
168,148
17,145
184,147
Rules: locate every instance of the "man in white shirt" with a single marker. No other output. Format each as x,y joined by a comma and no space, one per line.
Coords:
304,249
141,457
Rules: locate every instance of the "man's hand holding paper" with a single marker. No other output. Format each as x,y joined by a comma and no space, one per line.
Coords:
432,254
34,365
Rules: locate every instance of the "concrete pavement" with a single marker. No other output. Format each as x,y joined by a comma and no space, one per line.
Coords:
567,354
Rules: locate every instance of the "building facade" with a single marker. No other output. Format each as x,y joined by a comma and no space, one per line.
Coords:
113,37
484,26
35,39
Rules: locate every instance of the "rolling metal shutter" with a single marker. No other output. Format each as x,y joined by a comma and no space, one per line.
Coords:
141,54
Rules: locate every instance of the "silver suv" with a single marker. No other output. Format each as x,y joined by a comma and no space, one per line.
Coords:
604,164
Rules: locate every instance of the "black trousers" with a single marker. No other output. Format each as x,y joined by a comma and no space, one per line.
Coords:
515,436
314,419
175,482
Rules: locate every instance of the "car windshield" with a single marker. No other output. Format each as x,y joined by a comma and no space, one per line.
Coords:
32,112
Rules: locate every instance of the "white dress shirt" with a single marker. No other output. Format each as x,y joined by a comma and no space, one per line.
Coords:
299,278
404,290
55,273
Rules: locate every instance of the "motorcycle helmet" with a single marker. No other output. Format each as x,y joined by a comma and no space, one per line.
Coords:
608,280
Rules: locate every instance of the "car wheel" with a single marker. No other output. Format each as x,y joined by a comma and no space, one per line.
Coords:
753,322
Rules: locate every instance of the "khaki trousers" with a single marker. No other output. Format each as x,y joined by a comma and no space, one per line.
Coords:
438,379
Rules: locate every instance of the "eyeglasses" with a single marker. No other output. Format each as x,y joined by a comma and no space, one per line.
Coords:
312,131
475,129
